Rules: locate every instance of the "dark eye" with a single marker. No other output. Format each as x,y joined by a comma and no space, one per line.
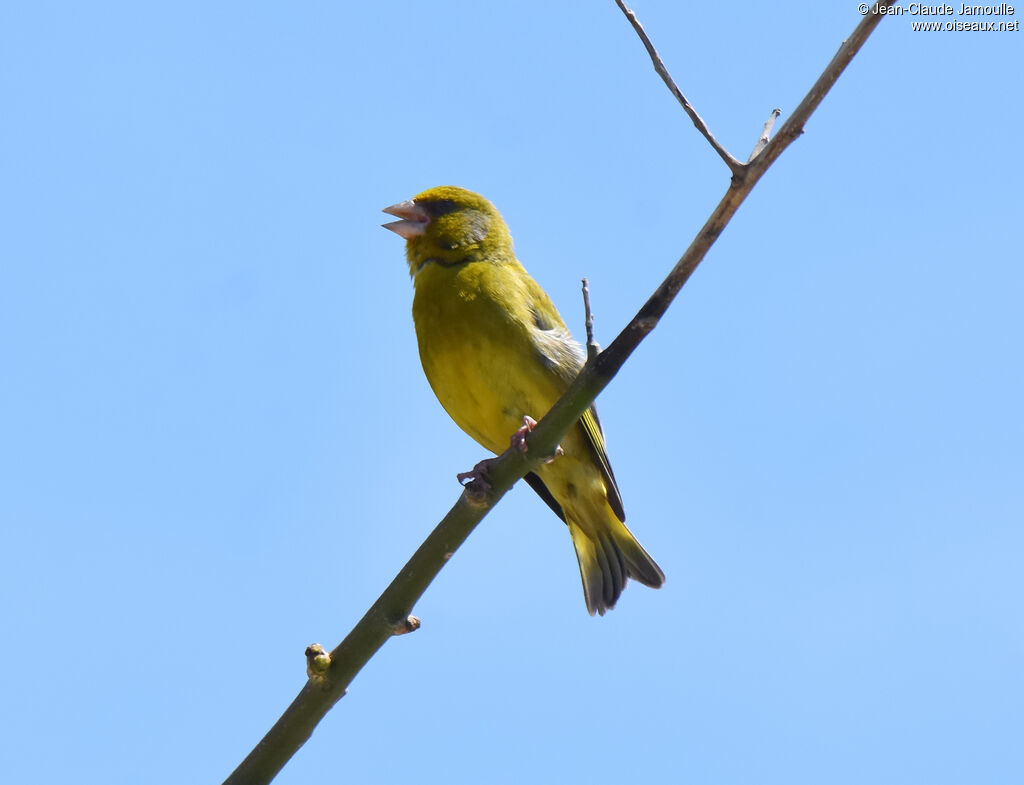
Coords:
439,207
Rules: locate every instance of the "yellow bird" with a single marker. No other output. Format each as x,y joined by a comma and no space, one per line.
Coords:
495,351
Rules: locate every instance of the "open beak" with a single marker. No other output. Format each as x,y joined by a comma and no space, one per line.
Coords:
414,219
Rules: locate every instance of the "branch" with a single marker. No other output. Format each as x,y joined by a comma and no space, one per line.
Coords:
607,363
330,674
388,616
659,66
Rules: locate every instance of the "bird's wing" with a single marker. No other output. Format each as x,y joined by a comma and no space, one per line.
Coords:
591,428
562,355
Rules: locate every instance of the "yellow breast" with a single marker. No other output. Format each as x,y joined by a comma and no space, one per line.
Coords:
474,328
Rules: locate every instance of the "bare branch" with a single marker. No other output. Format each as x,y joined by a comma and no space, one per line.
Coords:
330,674
794,126
611,359
734,165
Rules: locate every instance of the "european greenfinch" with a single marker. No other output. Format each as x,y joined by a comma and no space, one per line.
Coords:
496,351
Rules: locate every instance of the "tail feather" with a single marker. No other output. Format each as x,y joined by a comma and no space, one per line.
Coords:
608,561
618,573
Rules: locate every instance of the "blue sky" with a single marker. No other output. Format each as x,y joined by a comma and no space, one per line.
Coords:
218,446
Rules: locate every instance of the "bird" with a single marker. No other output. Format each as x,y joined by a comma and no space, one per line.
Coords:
496,353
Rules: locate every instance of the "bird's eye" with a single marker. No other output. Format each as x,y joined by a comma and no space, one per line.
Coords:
439,207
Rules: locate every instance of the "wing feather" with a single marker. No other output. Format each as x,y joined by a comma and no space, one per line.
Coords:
564,356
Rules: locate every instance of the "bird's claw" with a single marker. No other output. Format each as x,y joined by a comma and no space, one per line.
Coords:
558,451
477,482
518,439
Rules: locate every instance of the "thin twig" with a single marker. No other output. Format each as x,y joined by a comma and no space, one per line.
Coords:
331,674
592,347
735,166
766,134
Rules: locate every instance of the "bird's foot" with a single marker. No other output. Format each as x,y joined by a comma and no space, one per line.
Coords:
518,439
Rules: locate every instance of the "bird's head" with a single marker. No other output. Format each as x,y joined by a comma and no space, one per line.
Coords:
450,226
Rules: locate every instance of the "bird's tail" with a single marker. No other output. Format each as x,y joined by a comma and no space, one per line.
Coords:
609,555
